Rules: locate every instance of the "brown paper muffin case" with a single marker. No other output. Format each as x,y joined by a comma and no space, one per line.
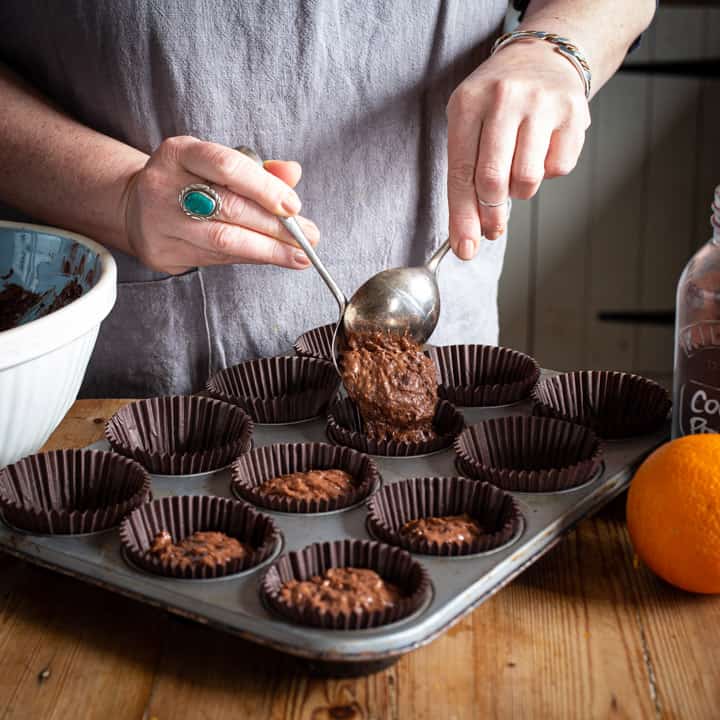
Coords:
71,491
279,389
614,404
316,343
483,375
416,498
181,516
391,563
345,427
529,454
180,434
464,469
264,463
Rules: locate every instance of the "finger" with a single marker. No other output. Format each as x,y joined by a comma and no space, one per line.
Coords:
492,173
234,208
222,165
288,171
528,166
242,245
463,136
179,256
244,212
564,151
205,258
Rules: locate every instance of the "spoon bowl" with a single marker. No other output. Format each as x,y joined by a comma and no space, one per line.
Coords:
405,301
401,300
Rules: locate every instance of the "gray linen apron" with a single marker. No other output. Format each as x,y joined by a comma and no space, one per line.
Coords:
354,91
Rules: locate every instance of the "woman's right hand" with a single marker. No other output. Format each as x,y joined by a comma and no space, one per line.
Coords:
247,229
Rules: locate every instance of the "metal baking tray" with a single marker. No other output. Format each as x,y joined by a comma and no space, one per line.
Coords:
232,604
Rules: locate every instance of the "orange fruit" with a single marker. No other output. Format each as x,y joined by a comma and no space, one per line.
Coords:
673,512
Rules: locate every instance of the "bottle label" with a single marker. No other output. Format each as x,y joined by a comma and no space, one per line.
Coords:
698,382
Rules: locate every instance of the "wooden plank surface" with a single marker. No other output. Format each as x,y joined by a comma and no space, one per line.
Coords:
584,633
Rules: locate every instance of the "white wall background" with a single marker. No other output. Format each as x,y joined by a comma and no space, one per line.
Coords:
615,234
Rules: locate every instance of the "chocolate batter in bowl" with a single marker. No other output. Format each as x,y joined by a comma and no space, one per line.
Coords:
18,304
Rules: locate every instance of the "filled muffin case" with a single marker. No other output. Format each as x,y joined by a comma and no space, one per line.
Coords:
428,530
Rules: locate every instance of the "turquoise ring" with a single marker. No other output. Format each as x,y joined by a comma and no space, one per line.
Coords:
200,202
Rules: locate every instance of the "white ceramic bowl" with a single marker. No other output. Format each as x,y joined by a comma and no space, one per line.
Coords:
43,360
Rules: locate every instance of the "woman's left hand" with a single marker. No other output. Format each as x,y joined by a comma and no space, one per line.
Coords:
519,118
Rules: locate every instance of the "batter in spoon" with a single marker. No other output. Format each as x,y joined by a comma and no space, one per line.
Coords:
394,385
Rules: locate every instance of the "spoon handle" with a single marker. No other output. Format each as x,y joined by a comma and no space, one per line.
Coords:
299,236
441,252
437,256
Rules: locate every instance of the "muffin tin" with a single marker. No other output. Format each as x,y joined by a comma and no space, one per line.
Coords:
453,584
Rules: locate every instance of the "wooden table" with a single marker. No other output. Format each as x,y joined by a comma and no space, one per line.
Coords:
585,633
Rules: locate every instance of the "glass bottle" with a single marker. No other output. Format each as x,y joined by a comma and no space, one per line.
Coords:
696,378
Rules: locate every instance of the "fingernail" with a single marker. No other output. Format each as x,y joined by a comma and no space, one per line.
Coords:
495,233
301,258
291,204
467,249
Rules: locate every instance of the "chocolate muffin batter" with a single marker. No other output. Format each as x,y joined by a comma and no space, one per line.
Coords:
393,384
342,590
310,485
16,302
448,529
72,291
208,549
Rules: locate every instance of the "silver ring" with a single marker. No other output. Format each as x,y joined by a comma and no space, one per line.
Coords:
200,202
506,201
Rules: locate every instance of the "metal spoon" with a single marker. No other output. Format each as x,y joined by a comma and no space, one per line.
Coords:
292,226
401,300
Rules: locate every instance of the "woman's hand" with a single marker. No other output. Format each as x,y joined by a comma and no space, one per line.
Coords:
519,118
247,229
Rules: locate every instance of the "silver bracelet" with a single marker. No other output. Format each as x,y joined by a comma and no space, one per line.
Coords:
562,45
